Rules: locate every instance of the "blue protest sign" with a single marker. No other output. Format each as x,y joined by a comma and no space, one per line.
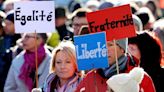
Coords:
91,51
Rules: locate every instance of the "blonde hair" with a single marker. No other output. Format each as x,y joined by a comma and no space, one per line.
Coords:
68,48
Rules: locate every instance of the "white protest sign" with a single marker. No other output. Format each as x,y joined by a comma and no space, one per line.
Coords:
31,16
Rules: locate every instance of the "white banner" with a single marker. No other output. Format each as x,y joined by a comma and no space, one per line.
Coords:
31,16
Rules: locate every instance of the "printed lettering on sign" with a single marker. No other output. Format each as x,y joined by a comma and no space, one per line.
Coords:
91,51
117,22
31,16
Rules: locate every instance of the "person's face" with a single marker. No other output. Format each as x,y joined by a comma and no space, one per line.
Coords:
28,41
111,52
64,66
134,51
9,7
148,26
9,27
77,23
60,21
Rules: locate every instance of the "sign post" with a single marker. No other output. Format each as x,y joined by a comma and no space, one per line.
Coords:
34,17
36,60
91,56
31,16
117,22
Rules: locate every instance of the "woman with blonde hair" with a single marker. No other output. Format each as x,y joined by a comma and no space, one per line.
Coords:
64,76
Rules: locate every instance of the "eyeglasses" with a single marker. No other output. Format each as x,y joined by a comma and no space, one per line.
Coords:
78,24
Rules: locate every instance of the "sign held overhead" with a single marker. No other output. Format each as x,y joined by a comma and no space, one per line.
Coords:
31,16
91,51
116,21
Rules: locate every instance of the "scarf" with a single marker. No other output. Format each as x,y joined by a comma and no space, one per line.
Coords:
27,72
110,71
54,82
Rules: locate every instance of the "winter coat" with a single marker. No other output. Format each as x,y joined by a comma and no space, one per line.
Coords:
6,55
96,82
14,84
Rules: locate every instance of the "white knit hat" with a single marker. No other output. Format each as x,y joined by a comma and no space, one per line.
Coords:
126,82
137,21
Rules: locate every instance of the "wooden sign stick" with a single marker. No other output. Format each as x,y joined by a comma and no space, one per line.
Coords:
36,60
117,67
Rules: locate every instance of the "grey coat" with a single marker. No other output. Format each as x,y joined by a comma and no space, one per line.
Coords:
14,84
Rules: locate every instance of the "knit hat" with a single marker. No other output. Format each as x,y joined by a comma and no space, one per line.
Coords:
145,15
126,82
159,24
106,5
60,12
73,5
123,43
137,21
2,17
92,3
10,16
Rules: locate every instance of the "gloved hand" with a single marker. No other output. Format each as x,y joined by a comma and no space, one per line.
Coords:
36,90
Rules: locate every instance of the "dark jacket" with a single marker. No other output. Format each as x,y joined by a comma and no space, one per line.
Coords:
6,42
64,31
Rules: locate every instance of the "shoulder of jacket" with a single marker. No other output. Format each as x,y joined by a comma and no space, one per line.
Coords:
50,77
19,59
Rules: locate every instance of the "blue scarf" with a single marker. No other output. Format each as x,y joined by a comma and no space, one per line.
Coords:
110,71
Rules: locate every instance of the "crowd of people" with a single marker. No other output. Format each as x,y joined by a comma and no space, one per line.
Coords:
140,58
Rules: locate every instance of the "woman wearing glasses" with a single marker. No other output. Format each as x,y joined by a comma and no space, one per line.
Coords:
21,76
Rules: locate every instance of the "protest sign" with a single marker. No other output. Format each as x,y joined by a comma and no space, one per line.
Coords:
161,4
34,17
31,16
116,21
91,51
